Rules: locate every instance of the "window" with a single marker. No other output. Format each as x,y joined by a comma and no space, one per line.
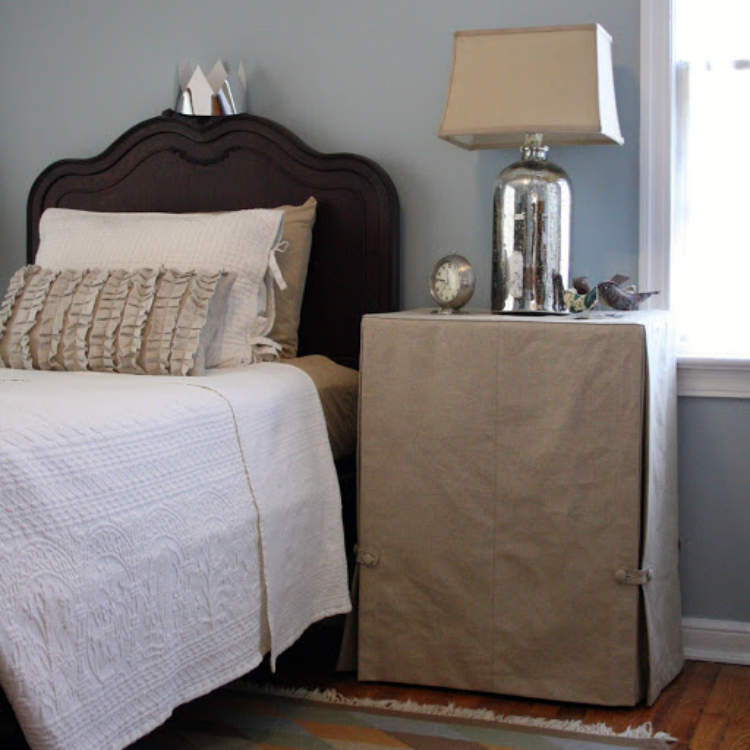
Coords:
695,184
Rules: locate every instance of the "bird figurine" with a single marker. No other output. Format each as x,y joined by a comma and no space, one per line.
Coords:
583,297
614,295
581,284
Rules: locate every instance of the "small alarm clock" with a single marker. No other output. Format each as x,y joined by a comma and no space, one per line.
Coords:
452,283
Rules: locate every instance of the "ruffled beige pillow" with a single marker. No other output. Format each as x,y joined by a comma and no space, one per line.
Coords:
145,321
298,226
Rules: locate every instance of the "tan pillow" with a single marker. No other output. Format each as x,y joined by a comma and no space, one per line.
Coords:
145,321
298,226
338,389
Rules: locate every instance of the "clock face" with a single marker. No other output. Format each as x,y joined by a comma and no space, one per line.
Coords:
452,282
447,282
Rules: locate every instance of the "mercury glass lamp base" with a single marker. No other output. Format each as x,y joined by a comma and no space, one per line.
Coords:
530,234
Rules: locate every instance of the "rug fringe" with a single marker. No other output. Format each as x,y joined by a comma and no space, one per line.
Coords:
644,731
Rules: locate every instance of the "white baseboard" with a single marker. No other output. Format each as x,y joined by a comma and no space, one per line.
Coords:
716,640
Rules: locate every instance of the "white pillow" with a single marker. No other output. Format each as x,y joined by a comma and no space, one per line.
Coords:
239,242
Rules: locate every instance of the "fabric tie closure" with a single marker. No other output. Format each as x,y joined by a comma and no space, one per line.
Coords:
273,265
368,559
631,577
264,348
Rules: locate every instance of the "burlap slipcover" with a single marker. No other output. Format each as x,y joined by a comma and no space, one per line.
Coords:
517,489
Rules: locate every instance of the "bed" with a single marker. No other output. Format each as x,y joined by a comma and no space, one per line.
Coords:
159,535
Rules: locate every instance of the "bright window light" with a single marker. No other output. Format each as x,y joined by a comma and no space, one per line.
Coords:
711,250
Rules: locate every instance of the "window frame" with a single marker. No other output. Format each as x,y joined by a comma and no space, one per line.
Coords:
696,376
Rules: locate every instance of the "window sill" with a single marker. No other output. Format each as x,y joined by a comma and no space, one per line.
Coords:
713,378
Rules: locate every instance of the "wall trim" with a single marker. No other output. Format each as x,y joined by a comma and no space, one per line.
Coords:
724,641
655,189
713,378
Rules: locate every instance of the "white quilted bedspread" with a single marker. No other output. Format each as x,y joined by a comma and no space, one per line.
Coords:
158,536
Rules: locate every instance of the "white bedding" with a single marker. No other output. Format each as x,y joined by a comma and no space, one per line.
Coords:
158,536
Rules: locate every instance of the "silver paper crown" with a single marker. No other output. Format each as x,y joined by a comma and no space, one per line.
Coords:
222,92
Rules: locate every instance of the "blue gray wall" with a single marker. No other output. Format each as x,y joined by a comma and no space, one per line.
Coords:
714,461
369,77
349,75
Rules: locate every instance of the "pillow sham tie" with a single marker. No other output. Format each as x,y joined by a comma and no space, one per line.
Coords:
273,265
264,348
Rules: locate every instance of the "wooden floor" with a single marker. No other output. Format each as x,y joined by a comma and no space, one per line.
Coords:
707,707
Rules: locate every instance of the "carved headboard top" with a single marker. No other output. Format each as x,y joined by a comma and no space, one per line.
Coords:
175,163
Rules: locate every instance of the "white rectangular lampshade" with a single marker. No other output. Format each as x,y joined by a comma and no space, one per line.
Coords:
554,80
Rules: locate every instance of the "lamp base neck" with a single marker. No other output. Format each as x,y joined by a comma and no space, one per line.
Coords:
532,148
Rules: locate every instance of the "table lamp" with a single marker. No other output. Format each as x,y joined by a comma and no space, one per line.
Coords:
531,87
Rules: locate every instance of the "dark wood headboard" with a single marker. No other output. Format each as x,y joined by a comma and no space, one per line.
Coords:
175,163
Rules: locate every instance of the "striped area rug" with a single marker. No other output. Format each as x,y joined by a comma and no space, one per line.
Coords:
241,716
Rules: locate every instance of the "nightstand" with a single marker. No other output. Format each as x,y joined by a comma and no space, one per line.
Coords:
518,505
